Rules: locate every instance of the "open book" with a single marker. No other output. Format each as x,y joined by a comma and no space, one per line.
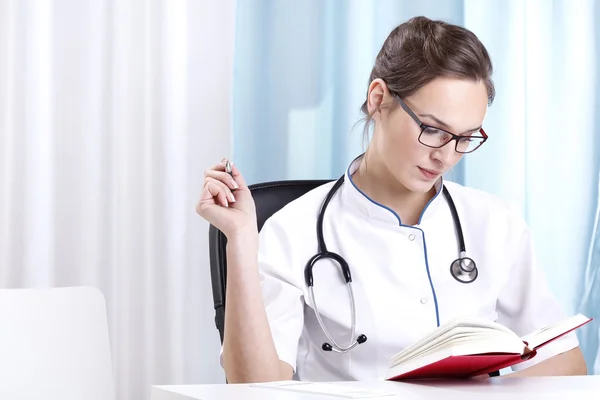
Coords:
469,347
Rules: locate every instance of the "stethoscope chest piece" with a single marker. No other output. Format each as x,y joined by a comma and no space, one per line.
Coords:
464,269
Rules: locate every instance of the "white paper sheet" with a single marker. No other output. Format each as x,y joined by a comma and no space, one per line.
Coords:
330,389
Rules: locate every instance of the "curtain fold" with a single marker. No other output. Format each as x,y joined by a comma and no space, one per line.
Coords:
109,114
590,299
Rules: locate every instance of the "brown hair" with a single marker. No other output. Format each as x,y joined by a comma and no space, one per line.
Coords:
420,50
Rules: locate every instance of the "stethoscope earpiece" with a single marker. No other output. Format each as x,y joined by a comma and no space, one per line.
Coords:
359,340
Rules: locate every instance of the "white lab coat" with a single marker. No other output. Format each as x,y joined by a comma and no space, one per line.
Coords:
401,278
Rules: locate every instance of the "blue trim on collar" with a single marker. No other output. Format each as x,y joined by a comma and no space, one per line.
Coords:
394,213
437,310
373,201
431,201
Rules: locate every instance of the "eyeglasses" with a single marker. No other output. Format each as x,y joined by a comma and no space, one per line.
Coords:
435,137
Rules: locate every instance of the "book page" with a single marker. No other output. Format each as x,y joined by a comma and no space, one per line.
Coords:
456,331
543,335
468,349
469,344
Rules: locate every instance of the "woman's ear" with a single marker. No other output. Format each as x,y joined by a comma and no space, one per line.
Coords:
377,92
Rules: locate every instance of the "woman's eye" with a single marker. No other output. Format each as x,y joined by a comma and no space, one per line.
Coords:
432,131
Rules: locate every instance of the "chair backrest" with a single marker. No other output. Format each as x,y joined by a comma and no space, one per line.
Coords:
54,344
269,198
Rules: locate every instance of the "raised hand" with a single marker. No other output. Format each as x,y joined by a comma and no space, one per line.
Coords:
226,201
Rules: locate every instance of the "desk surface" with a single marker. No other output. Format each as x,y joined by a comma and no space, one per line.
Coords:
573,387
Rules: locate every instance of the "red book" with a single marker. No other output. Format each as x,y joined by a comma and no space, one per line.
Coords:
464,348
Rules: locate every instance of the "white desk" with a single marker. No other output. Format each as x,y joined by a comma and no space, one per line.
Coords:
575,387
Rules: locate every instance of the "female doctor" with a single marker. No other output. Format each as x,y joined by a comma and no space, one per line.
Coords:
390,219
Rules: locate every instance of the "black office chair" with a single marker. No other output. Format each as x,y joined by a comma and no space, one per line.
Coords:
269,198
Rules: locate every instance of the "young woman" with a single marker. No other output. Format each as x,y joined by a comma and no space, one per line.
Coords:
392,221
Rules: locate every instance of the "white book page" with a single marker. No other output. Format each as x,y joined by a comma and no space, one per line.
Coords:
489,341
457,330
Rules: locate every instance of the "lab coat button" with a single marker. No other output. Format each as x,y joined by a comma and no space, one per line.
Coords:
423,300
411,237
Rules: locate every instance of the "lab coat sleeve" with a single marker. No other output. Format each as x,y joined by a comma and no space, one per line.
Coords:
526,304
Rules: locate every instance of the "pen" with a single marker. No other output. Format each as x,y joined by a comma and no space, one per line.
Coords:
229,170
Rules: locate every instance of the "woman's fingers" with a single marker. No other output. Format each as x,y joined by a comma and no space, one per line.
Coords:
220,191
235,172
219,185
237,176
226,201
223,177
213,193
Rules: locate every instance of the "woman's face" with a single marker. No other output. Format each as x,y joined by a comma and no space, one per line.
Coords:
454,105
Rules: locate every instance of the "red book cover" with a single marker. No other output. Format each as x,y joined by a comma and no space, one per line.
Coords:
466,366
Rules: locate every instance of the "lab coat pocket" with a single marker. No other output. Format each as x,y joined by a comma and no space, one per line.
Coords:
490,317
336,317
326,365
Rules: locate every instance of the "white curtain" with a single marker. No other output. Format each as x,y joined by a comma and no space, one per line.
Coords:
109,113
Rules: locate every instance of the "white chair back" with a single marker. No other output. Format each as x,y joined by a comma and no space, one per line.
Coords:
54,344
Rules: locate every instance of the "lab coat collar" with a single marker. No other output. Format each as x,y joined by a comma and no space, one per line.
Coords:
362,203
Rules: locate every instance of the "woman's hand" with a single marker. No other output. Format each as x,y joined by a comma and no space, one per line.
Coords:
226,201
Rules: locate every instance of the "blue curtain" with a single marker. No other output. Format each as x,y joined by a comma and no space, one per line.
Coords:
301,73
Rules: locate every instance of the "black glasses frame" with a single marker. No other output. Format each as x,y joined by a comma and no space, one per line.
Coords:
424,126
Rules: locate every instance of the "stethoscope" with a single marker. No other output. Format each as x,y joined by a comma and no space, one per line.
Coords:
463,269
